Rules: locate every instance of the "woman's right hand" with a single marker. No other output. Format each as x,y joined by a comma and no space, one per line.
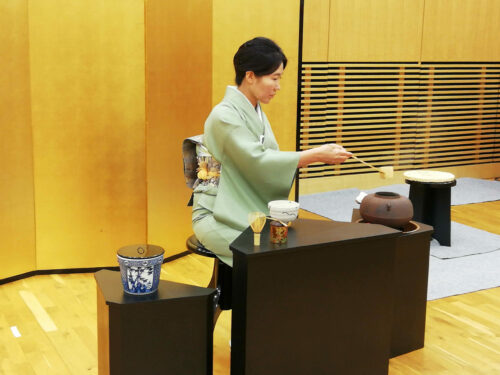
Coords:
329,154
332,154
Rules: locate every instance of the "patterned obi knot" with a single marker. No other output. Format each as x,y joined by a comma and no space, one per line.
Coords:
208,171
200,167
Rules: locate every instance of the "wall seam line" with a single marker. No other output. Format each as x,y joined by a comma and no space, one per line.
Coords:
35,227
422,34
146,123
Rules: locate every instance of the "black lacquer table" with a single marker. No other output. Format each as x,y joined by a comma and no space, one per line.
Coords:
327,301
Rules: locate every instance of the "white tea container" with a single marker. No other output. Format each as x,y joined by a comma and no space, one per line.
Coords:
283,210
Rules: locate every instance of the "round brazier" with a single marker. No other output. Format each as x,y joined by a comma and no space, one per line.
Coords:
140,267
386,208
409,227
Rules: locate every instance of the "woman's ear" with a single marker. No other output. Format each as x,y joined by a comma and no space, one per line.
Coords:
250,77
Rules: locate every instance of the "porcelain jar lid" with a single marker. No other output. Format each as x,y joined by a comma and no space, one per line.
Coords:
140,251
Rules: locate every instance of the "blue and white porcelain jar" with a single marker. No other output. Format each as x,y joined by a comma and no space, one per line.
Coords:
140,267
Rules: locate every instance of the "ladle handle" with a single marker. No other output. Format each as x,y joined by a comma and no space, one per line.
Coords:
365,163
281,222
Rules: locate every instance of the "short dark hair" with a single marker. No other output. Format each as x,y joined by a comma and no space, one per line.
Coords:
259,55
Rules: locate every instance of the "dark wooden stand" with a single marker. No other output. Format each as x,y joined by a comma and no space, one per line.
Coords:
320,304
411,273
431,205
167,332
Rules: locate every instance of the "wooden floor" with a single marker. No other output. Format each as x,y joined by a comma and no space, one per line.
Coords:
56,318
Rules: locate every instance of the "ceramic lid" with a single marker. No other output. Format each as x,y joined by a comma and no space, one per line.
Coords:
140,251
282,205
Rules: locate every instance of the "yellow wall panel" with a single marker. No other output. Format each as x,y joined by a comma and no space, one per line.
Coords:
375,30
179,97
316,30
88,116
236,21
17,220
461,30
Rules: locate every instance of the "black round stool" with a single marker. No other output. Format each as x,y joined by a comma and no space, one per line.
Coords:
222,276
430,193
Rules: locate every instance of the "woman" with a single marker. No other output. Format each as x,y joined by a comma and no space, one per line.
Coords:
252,169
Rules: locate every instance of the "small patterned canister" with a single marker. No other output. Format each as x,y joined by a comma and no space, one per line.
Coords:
279,232
140,267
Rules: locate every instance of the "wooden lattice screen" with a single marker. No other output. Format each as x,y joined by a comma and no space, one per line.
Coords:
411,116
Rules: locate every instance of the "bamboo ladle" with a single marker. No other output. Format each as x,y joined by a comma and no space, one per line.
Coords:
385,172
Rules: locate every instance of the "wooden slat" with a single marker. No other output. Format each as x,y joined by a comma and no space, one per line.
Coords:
461,95
470,133
422,71
367,116
354,65
451,138
459,146
368,112
357,121
332,122
330,80
487,120
377,153
361,88
389,105
459,159
463,143
442,115
368,138
367,133
354,96
312,133
382,127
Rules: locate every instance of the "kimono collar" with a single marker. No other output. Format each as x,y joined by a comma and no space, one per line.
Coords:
237,97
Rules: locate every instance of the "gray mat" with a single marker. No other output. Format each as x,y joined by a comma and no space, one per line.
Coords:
474,190
466,241
463,275
338,205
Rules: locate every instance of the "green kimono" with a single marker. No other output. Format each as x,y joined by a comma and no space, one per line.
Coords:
253,172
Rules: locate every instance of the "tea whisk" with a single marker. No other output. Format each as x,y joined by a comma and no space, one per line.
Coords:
256,220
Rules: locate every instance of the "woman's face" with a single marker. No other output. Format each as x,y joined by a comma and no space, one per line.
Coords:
264,88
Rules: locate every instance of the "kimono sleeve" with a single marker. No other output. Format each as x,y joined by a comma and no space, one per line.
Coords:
268,172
